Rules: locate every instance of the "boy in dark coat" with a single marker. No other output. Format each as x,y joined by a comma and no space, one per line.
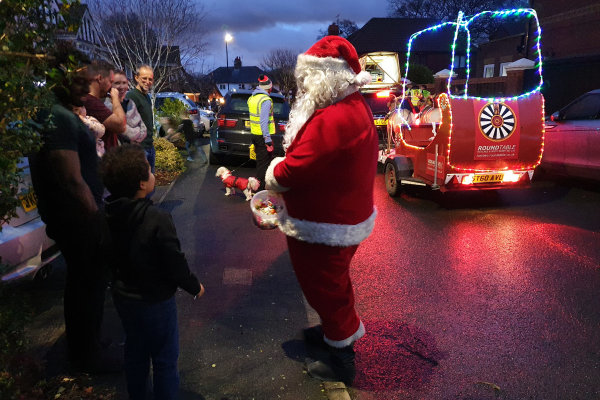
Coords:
148,268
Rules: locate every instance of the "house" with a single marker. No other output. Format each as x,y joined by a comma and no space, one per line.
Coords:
237,77
85,37
432,49
571,49
570,46
506,45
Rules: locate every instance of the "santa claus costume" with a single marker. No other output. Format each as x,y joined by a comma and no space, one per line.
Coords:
326,180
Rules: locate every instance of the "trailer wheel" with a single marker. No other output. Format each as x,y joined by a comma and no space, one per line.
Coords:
392,185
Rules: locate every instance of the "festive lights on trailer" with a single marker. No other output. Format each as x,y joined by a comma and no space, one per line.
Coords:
463,23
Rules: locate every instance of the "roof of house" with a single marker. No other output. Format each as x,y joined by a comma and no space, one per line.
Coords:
236,75
392,34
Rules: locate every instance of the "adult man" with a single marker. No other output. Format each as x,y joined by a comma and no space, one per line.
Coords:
144,78
65,178
326,180
262,126
101,75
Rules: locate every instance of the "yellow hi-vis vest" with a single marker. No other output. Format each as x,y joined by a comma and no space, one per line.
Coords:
254,104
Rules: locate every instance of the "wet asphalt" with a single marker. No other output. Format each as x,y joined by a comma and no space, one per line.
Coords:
470,296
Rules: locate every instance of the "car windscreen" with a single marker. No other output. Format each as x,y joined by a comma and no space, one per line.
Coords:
239,103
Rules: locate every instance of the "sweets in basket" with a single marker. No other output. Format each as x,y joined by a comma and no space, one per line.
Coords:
266,208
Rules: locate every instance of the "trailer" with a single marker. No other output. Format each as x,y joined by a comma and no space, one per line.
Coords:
466,142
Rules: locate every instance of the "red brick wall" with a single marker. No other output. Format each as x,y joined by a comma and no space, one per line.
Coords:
569,28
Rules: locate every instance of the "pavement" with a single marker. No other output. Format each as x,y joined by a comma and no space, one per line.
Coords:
242,340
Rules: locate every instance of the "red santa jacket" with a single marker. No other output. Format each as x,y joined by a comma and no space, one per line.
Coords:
236,182
328,174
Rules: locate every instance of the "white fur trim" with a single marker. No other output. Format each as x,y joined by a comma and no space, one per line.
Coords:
363,78
305,60
326,233
270,181
360,332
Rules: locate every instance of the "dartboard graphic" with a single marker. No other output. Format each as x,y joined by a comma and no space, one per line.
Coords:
497,121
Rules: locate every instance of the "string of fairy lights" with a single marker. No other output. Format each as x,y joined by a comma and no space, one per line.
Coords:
462,24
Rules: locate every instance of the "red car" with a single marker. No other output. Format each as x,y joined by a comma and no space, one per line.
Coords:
572,141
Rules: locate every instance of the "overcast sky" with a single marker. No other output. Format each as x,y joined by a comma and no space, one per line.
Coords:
261,25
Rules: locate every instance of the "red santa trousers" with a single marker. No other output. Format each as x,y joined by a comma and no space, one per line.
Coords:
324,276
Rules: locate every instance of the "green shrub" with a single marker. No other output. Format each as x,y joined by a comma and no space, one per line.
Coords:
168,158
174,110
420,74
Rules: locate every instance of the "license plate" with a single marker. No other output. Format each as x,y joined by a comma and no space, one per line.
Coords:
488,178
381,122
247,124
28,201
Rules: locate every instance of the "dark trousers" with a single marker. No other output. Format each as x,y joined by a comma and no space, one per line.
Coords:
151,335
263,159
83,246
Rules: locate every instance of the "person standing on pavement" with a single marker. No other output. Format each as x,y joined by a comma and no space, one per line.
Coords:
326,179
144,78
65,178
262,126
101,75
148,268
135,131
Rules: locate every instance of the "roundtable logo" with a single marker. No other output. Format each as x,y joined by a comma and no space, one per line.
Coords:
497,121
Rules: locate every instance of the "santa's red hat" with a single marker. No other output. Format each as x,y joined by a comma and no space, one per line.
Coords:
335,52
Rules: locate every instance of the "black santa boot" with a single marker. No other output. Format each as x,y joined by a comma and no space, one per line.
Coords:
339,367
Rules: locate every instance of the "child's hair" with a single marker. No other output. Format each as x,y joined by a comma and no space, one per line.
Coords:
123,168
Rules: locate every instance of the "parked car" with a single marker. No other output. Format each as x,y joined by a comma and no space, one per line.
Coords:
193,110
378,99
572,140
25,250
231,134
207,118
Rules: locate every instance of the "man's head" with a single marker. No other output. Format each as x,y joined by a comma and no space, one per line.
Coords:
126,172
100,74
144,78
69,81
265,83
121,83
325,73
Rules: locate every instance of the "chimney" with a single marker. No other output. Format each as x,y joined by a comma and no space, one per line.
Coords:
237,63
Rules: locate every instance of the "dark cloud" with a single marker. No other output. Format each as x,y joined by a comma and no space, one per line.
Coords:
262,25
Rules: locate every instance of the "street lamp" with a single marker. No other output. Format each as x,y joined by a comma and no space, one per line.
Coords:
228,38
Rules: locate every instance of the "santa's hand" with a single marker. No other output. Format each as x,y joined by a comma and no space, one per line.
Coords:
269,147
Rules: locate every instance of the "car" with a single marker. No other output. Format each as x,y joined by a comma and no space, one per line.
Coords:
25,250
207,118
377,99
193,109
572,139
231,136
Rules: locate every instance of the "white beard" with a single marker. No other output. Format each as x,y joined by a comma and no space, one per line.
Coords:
318,88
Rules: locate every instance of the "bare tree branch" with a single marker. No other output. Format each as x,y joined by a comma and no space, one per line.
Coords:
280,64
164,34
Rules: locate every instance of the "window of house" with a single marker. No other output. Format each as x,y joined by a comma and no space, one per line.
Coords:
461,61
503,69
488,71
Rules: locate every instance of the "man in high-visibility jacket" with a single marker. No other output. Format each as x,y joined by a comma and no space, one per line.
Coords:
262,126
